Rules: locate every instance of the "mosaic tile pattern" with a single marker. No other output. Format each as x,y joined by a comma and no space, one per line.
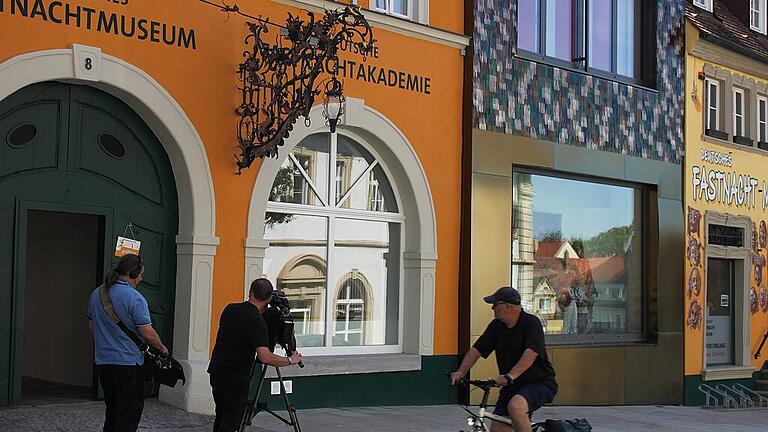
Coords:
516,96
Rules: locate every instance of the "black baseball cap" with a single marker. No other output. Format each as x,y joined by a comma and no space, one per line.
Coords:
504,294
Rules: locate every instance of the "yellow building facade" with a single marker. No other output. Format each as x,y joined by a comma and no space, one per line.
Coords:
725,186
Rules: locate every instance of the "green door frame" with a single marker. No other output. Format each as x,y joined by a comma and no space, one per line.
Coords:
20,273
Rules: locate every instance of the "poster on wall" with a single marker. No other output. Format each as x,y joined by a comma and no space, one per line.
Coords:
126,246
719,341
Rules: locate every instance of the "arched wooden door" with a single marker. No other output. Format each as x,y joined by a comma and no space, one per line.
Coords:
74,149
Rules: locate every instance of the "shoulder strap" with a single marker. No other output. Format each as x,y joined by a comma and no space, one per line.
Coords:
106,303
109,309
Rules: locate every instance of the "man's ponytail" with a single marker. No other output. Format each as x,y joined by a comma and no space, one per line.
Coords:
111,278
127,264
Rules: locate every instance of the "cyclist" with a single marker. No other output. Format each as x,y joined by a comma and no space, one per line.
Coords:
526,376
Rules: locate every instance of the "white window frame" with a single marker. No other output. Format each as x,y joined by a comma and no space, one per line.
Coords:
333,211
375,198
306,312
740,116
339,178
764,114
389,11
704,4
347,302
716,84
304,177
760,26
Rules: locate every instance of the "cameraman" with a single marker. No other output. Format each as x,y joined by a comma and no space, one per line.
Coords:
242,335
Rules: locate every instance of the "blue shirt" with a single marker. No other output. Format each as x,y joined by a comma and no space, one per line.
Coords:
111,345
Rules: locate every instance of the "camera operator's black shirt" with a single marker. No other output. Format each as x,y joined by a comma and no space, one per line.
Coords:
241,330
510,343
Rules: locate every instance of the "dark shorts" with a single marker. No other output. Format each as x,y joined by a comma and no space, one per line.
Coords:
536,394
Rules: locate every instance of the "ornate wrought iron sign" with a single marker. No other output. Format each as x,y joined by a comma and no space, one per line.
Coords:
279,81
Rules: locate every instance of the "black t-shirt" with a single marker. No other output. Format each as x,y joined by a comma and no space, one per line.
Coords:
241,331
510,343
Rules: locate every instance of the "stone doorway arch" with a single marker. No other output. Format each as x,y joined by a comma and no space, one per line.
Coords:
196,240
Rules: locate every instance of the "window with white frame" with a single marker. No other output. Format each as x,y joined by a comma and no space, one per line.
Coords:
713,105
350,312
762,119
704,4
375,198
342,178
315,245
738,112
400,8
757,15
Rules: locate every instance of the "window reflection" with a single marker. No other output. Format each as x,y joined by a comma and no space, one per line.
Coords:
296,261
577,254
303,176
350,310
600,35
370,189
347,294
559,35
366,266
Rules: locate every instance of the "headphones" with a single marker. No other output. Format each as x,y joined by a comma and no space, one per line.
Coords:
136,271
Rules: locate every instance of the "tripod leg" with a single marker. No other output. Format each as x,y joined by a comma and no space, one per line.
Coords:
288,406
251,405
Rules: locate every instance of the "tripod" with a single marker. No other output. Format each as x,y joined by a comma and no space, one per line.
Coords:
254,407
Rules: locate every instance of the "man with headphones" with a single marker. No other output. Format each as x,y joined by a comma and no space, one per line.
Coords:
119,362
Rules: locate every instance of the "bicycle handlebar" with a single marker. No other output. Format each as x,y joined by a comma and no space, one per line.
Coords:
479,383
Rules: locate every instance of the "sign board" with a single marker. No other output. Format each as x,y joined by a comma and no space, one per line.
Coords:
719,340
724,300
126,246
725,235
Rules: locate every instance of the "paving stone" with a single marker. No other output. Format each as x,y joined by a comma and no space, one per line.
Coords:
159,417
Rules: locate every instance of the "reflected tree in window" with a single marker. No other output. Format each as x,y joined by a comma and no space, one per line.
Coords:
577,254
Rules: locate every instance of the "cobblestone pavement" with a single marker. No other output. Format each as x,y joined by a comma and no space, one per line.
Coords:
87,416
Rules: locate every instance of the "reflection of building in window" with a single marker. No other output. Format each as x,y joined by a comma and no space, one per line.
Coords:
301,194
312,249
577,254
303,280
612,279
302,315
350,311
544,305
375,199
524,242
342,179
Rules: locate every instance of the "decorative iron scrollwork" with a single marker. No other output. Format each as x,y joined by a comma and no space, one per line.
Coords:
279,82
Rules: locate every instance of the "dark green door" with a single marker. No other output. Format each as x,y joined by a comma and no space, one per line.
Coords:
72,148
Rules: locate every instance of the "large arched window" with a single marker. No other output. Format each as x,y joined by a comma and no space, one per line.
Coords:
333,201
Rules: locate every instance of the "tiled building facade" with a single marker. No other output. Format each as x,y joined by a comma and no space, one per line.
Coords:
585,156
513,95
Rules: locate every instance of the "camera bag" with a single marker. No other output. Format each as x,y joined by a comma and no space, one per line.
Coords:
575,425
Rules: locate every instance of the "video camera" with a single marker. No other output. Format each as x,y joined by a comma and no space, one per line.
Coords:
280,323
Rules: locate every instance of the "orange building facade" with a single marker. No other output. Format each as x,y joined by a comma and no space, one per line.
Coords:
360,227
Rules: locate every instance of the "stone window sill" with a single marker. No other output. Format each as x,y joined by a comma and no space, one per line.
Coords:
351,364
727,372
724,143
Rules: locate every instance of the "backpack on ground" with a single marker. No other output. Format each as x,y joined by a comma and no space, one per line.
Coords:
575,425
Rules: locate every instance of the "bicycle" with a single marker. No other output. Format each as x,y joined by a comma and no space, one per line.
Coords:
477,420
